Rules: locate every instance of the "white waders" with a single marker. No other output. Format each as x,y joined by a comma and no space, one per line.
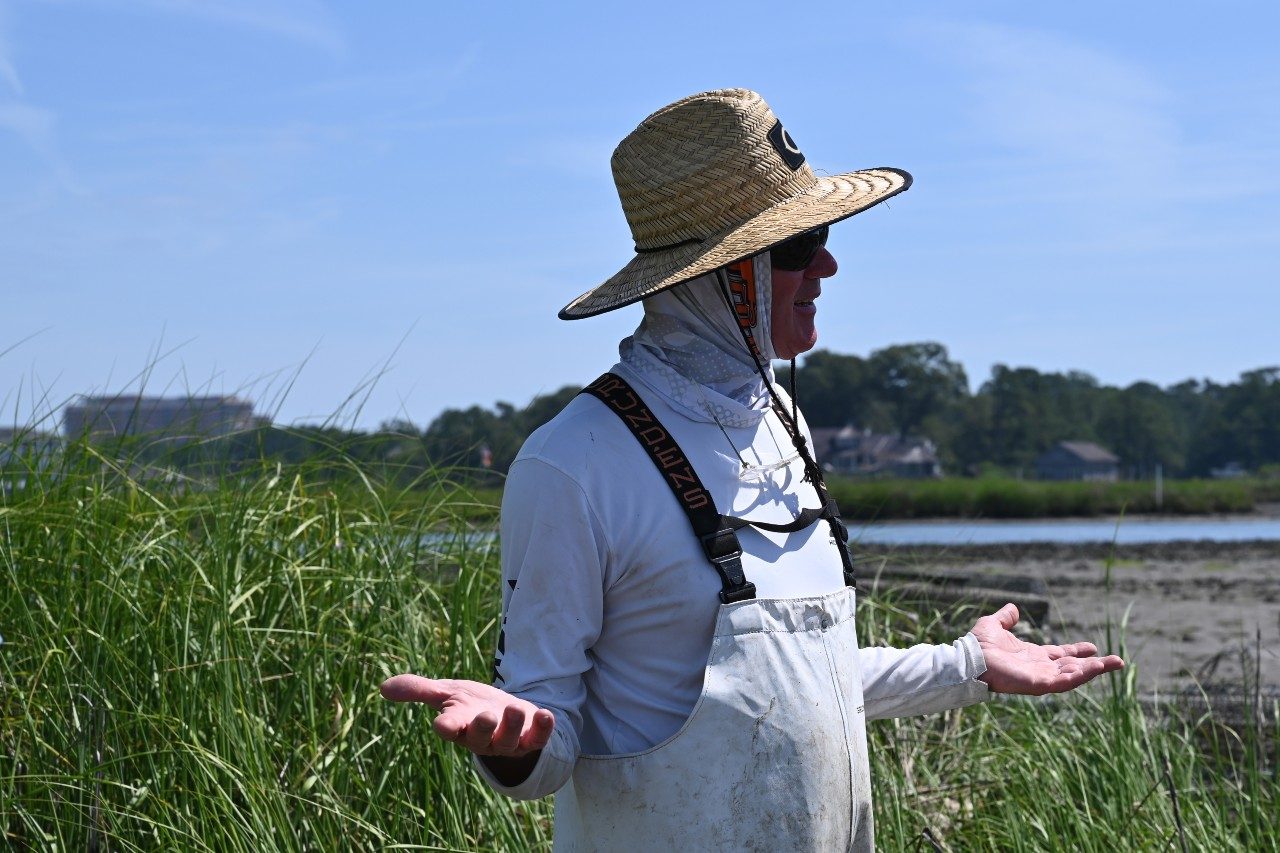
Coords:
774,754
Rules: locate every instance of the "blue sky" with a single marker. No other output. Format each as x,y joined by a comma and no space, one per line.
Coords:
374,210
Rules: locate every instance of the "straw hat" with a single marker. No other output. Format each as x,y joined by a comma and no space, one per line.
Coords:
712,179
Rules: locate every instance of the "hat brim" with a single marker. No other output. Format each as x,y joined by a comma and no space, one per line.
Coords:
830,199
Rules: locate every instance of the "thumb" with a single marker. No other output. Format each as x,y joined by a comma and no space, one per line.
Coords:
415,688
1007,615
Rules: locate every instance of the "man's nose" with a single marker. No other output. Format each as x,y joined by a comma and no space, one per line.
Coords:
823,265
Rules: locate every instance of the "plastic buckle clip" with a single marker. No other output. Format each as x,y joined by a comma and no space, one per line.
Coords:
724,552
745,592
831,512
721,544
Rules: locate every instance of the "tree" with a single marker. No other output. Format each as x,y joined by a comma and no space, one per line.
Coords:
1251,416
1140,425
1030,411
916,380
457,436
833,389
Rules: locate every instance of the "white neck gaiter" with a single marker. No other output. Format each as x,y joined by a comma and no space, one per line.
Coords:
688,348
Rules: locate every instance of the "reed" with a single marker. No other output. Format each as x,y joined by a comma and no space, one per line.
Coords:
1098,770
197,668
998,497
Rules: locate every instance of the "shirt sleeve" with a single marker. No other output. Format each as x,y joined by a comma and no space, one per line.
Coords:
923,679
554,564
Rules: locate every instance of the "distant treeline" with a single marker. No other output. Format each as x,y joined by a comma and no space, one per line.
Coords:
1191,428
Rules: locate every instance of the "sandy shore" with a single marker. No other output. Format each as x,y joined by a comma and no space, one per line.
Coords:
1194,610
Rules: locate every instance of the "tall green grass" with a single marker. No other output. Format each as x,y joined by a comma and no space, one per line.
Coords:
999,497
197,669
1096,770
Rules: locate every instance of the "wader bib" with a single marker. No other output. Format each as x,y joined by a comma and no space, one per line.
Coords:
774,754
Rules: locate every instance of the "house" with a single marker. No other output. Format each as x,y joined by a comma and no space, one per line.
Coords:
23,451
1077,460
27,447
174,417
846,450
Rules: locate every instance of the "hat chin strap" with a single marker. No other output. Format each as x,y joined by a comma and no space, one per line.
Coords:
790,420
791,423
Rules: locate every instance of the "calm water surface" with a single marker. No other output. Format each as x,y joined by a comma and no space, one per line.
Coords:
1128,531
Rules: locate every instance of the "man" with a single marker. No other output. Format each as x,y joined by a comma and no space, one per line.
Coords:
678,657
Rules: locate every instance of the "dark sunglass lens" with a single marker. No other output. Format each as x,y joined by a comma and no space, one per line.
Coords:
797,253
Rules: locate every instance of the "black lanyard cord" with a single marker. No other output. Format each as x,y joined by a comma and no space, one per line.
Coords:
791,423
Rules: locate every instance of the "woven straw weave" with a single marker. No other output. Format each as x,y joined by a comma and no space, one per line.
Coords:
702,186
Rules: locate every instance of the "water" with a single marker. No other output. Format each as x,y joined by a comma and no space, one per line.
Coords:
1129,531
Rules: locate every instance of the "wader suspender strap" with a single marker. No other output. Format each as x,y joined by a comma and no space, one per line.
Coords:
717,533
719,541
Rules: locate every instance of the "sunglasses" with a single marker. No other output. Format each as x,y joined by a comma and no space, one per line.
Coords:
797,253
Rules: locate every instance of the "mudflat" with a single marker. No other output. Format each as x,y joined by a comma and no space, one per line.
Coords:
1193,612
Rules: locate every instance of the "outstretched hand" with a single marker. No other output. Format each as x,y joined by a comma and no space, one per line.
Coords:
1015,666
484,719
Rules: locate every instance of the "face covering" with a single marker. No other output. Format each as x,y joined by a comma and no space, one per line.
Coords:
689,349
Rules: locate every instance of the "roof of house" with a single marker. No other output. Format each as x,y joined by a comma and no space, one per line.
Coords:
822,438
1087,451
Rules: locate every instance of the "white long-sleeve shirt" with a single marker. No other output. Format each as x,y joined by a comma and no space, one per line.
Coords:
609,601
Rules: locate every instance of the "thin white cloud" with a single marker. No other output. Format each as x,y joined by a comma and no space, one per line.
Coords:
584,157
1097,154
438,71
1055,101
34,126
8,71
306,21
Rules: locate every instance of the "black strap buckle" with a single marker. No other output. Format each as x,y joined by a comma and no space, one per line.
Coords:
831,512
725,553
746,592
720,544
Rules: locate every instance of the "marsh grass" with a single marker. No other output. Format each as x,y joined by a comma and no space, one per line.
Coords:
1099,770
197,668
998,497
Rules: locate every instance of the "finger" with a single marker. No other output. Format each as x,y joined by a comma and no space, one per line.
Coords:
506,739
479,734
415,688
451,726
1007,616
1077,671
544,722
1072,650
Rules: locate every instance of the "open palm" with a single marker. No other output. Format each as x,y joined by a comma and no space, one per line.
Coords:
484,719
1016,666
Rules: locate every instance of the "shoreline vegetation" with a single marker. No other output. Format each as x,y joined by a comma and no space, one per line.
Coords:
1004,498
198,669
1007,498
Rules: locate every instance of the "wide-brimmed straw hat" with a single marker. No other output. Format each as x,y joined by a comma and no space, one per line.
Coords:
712,179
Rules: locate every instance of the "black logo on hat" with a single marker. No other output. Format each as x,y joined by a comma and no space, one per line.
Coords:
785,146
